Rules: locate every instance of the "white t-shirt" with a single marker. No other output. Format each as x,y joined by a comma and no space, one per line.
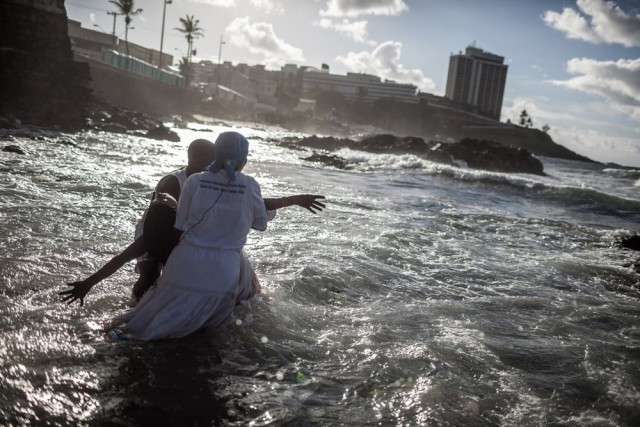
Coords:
218,213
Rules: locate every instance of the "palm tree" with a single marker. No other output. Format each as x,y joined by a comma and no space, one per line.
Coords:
127,8
191,32
525,119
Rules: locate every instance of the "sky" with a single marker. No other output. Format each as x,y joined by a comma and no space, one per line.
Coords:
574,65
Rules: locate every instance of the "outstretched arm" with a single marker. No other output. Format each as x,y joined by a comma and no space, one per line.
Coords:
308,201
82,288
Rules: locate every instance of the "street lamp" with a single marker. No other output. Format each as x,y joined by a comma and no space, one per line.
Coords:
164,10
220,48
130,28
113,33
219,62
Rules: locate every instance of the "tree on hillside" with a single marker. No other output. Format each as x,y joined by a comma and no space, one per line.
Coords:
525,119
182,66
128,9
191,32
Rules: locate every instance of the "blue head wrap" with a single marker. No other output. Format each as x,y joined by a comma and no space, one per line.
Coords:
231,149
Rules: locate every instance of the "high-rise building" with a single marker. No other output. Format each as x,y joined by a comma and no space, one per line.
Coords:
477,78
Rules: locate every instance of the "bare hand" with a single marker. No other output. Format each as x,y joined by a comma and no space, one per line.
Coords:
79,291
308,201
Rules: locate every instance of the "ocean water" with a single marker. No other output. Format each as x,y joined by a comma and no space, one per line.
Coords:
423,295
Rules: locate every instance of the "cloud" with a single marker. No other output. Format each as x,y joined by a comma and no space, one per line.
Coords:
356,30
219,3
577,133
382,62
538,115
269,6
353,8
597,146
260,38
618,82
606,23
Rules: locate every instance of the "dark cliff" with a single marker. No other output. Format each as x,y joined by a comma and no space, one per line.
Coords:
40,84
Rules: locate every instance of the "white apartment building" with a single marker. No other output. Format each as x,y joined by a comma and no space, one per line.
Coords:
261,87
356,87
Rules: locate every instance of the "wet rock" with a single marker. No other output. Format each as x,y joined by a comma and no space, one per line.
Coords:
493,156
162,133
385,143
113,127
629,242
13,149
476,154
329,160
109,118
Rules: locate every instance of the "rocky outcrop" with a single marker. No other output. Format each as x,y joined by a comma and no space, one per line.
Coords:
106,117
329,160
40,84
161,132
490,155
475,154
629,242
13,149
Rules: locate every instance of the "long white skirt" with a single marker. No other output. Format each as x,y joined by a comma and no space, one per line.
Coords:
199,288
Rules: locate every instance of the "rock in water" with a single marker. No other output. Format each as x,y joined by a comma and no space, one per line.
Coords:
162,132
493,156
476,154
13,149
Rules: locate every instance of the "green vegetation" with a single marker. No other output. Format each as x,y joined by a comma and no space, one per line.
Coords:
525,119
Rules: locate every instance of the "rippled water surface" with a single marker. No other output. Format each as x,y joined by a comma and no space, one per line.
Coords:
423,295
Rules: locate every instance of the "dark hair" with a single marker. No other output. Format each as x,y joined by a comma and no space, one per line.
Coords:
200,144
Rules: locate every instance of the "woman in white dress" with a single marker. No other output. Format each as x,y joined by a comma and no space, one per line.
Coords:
206,274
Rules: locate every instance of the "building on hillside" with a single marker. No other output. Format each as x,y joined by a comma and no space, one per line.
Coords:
477,78
290,80
356,87
257,85
282,90
203,73
265,82
92,44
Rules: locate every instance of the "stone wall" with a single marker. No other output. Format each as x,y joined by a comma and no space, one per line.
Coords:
127,90
40,84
